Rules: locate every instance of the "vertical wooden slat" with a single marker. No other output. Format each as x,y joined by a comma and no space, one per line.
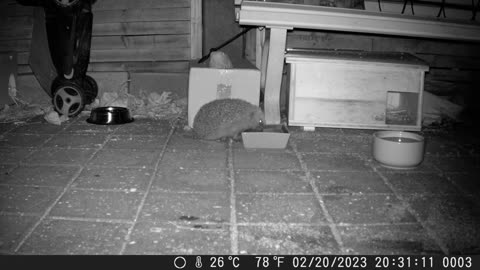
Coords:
196,29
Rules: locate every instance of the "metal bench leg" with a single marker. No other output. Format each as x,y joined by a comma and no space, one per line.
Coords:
405,5
442,10
474,9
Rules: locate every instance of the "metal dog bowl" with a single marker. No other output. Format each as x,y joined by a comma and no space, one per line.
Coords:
110,116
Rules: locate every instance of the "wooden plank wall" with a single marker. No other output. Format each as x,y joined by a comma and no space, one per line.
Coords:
128,36
141,35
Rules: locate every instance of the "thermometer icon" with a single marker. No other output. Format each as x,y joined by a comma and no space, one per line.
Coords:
198,262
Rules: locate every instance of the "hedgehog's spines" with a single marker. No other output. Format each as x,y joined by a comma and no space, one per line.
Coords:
225,118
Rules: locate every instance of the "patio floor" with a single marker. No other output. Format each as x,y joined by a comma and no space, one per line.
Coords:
150,188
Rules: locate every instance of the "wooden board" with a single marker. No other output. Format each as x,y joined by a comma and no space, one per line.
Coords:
127,55
141,28
17,45
129,4
138,66
142,15
140,42
176,83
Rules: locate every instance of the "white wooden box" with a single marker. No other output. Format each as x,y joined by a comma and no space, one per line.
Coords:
206,84
350,89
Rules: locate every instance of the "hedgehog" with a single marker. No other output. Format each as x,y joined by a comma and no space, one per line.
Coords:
226,118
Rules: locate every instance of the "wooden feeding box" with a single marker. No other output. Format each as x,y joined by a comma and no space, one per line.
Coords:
348,89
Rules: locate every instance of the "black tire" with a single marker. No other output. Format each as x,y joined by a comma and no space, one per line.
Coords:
68,97
91,89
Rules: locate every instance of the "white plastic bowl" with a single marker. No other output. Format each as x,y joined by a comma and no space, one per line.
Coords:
398,149
271,137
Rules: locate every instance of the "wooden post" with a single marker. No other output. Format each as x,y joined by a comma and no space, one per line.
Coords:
276,51
196,29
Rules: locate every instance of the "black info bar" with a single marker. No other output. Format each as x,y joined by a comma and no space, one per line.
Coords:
250,262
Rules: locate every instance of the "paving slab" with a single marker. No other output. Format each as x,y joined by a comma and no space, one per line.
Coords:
30,200
64,140
283,238
120,179
137,158
278,208
340,182
103,174
454,219
6,127
466,181
91,129
37,128
40,175
406,239
265,160
188,208
367,209
94,204
60,156
73,237
14,155
145,127
334,162
5,170
330,143
136,142
194,160
13,227
182,141
456,164
150,238
422,183
23,140
251,181
191,180
442,147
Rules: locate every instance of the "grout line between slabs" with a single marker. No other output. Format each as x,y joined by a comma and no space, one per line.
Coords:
399,196
311,181
65,189
233,200
465,193
147,190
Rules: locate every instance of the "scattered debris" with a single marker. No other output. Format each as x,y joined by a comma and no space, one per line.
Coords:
18,113
53,117
436,109
152,105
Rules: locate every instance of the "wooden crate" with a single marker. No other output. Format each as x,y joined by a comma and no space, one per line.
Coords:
351,89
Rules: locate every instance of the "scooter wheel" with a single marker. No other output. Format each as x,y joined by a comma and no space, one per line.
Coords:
68,98
91,89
